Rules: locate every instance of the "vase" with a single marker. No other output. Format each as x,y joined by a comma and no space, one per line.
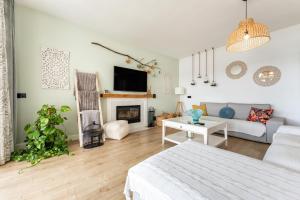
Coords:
195,114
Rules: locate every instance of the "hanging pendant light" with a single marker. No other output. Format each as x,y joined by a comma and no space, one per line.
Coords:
199,65
248,35
213,83
193,66
206,76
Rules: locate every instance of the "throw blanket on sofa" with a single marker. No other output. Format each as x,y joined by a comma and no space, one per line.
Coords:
195,171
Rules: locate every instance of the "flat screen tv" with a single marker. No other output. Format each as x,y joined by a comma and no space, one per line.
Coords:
129,80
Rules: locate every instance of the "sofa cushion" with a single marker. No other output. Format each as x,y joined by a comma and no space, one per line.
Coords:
284,156
251,128
260,115
295,130
201,107
287,139
242,110
213,109
227,113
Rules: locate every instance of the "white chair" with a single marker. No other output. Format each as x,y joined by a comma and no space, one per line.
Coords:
116,129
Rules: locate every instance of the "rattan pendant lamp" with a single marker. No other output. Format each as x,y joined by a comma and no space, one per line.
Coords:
248,35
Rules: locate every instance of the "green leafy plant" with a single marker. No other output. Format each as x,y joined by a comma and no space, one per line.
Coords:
43,138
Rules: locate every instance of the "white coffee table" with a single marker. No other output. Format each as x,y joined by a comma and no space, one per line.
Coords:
190,131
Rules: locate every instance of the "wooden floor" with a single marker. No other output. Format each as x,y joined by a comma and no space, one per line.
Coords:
97,173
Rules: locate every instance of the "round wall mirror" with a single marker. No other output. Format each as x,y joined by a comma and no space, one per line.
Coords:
267,76
236,69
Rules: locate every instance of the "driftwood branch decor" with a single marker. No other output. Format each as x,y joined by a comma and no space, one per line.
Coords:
149,67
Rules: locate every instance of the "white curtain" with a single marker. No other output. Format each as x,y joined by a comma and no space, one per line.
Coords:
6,69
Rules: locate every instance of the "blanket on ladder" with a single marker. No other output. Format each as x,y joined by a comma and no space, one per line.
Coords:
195,171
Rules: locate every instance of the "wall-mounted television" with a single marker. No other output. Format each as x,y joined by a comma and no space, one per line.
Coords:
129,80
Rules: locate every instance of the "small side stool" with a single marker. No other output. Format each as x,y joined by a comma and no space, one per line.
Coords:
116,129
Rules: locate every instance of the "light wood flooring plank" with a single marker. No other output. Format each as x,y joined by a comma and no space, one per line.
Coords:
98,173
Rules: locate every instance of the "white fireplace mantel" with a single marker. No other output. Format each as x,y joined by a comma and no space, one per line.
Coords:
112,104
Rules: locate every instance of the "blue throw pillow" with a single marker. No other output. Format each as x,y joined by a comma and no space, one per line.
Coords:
227,113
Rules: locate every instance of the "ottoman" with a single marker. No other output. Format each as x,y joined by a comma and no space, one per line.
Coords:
116,129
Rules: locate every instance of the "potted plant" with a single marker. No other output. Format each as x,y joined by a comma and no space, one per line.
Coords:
44,138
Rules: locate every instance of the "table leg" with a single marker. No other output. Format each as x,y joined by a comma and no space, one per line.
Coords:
226,134
189,135
205,137
163,133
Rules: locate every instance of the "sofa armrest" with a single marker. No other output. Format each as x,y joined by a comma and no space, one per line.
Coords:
294,130
272,126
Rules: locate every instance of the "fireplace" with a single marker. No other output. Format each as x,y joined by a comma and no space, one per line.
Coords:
111,111
130,113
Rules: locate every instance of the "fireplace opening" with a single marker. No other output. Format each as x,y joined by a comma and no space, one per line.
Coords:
130,113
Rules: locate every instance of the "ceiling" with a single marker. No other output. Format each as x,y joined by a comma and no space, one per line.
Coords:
171,27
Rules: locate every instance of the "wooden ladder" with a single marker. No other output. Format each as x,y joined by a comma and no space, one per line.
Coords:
79,111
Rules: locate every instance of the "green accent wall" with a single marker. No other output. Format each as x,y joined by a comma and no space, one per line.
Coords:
35,30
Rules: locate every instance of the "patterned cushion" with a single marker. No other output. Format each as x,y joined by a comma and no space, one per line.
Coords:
260,115
201,107
227,113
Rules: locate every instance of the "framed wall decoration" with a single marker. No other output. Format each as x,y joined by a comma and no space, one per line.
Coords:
55,69
236,69
267,76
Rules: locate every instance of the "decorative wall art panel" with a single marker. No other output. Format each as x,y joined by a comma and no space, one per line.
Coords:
55,68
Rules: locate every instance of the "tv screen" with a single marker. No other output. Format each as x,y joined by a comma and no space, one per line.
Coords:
129,80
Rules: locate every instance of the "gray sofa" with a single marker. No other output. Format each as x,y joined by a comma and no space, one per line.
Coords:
240,127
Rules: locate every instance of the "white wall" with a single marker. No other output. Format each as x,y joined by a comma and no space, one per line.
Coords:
283,52
35,30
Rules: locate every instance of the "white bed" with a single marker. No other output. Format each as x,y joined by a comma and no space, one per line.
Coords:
195,171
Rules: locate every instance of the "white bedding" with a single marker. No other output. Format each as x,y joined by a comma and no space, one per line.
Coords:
195,171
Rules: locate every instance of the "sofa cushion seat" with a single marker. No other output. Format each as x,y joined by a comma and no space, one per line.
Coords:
287,139
251,128
284,156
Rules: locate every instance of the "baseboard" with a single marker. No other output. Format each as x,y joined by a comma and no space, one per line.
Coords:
73,137
20,146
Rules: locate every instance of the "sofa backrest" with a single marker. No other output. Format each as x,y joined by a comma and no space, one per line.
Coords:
214,108
241,109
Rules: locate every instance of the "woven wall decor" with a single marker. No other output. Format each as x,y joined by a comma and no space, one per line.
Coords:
236,69
267,76
55,68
